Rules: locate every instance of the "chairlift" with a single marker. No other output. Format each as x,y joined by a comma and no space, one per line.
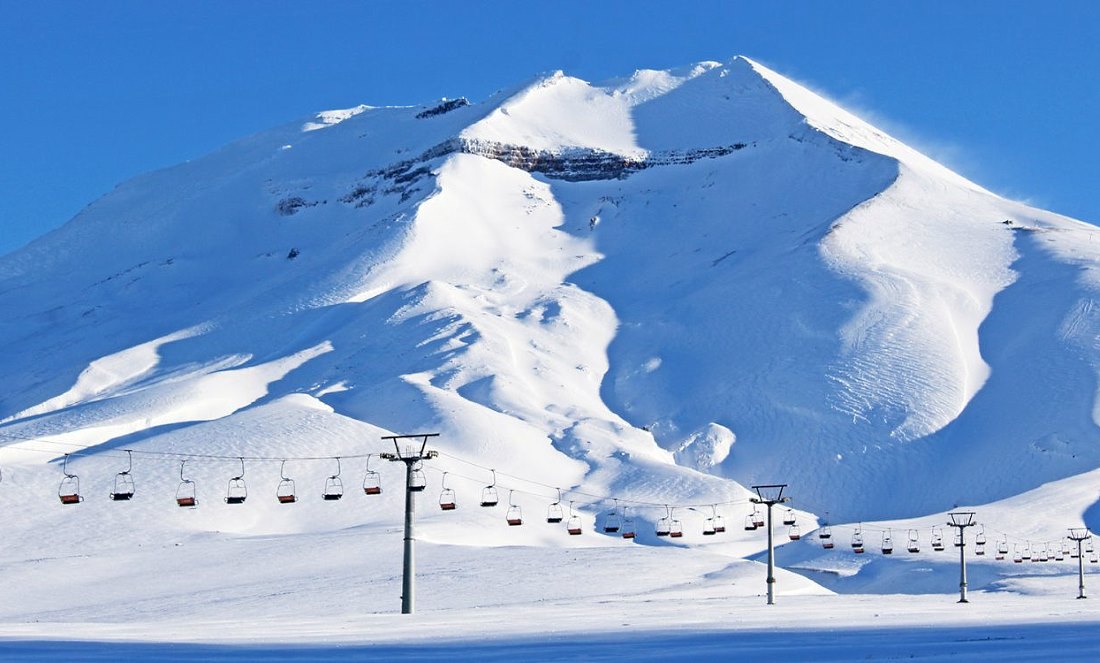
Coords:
675,527
574,524
958,539
489,493
664,524
1017,556
979,539
857,539
613,522
1002,548
937,539
554,512
515,514
417,480
1041,554
628,531
757,517
185,494
825,535
887,543
789,517
979,549
334,485
1065,547
447,497
708,526
1027,552
68,491
372,480
236,492
1095,558
285,491
1060,555
124,481
1088,545
750,524
794,533
914,541
719,521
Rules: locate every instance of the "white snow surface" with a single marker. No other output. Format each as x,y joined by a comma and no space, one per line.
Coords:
657,290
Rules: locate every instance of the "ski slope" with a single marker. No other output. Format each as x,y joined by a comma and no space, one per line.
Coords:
647,293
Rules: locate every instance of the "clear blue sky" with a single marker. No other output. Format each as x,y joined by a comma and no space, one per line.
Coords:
93,93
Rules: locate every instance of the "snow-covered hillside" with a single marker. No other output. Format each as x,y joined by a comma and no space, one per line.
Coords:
656,290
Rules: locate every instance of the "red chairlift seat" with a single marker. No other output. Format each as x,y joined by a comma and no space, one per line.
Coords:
185,493
573,526
719,524
675,529
68,491
628,528
285,491
827,544
372,481
515,514
794,533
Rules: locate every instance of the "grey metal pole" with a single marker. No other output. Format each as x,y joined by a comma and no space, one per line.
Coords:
1080,571
408,588
962,566
771,559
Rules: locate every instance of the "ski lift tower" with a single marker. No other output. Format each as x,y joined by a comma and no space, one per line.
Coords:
770,495
961,520
410,456
1080,535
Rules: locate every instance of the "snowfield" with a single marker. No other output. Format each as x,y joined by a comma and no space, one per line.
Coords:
631,300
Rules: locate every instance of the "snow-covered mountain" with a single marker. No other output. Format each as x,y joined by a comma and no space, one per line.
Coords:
644,288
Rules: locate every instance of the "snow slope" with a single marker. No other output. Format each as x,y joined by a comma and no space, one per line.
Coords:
656,290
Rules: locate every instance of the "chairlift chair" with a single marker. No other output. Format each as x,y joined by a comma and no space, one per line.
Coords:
1059,555
1017,556
794,533
789,517
887,543
708,527
68,491
515,514
937,539
1088,545
447,497
757,517
285,491
372,480
554,513
124,482
979,539
1027,552
613,522
914,541
628,531
573,526
719,523
334,486
237,492
1095,558
1002,549
979,549
1041,555
857,538
664,524
489,495
675,529
750,524
185,493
